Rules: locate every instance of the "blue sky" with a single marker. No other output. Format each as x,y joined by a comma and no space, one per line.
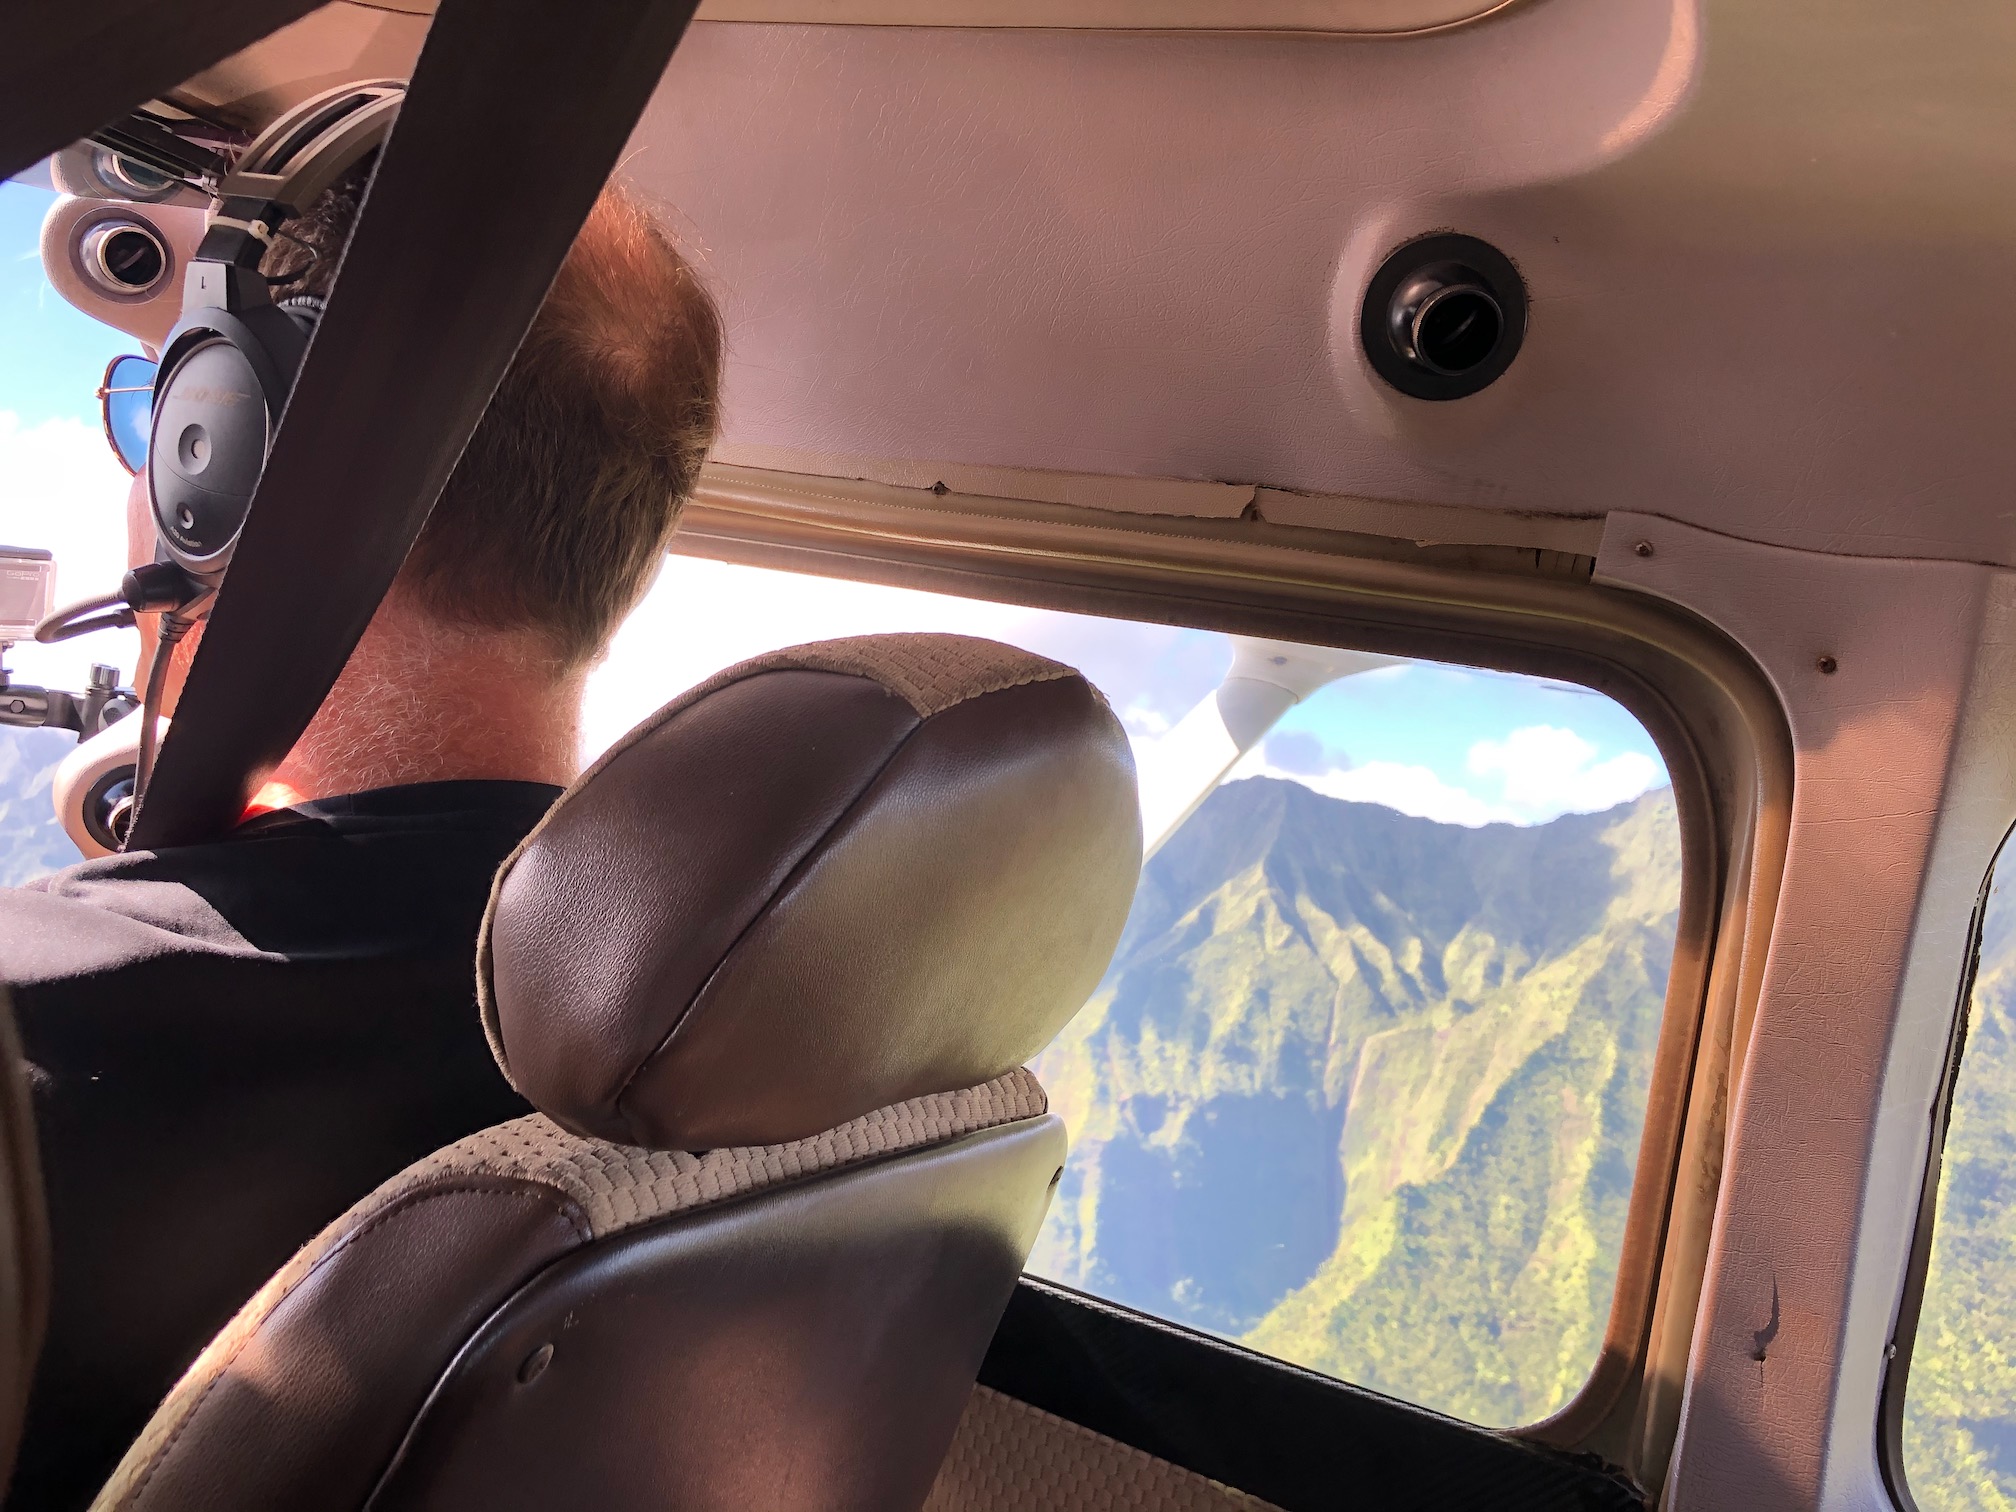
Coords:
1522,748
1445,742
51,355
59,486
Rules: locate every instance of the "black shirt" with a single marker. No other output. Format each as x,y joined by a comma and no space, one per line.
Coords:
228,1045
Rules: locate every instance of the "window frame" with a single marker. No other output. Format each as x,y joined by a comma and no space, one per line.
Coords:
1704,702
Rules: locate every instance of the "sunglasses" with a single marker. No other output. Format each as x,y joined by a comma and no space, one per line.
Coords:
126,402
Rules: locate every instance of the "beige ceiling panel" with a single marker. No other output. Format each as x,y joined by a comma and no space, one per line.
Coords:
335,45
1766,257
378,39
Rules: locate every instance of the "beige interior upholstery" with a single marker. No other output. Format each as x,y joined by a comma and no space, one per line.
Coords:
1011,1457
788,943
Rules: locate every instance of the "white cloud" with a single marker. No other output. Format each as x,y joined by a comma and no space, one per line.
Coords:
1410,789
61,489
1391,672
1534,774
1543,770
1144,723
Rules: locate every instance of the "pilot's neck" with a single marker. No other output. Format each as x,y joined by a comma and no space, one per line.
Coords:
422,702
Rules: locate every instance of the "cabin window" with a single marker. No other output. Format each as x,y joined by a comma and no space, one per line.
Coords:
1959,1429
60,490
1364,1086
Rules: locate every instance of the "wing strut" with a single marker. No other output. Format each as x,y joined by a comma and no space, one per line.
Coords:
515,116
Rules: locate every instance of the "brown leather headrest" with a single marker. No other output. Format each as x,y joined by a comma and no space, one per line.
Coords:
827,880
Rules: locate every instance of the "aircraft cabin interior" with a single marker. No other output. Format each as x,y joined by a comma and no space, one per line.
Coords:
974,755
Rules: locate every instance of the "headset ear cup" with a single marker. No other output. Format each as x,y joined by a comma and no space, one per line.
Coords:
223,382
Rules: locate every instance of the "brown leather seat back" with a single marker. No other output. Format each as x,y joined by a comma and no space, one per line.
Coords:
822,1343
530,1319
770,967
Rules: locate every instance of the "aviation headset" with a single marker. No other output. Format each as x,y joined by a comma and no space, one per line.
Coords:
229,362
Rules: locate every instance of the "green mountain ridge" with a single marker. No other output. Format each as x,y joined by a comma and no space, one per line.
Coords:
1365,1090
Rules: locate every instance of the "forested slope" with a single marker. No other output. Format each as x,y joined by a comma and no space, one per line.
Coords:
1365,1090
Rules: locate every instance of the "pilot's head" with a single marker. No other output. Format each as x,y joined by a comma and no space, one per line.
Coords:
557,514
555,518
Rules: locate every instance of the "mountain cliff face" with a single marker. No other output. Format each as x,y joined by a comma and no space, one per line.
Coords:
1365,1091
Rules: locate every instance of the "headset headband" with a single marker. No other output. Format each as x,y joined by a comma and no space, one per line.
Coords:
282,173
311,146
